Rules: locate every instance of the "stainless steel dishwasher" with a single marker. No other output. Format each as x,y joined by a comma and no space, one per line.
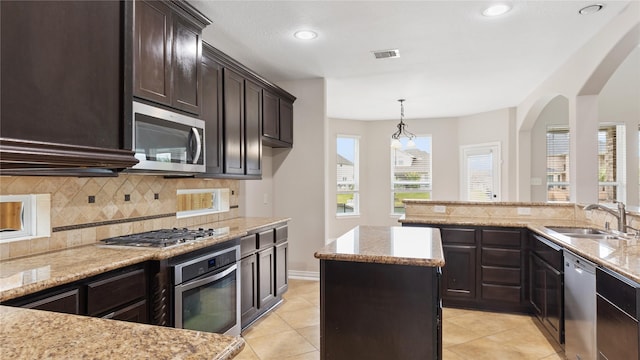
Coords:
579,307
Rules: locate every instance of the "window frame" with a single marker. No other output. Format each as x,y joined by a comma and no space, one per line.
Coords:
356,178
620,158
565,184
393,181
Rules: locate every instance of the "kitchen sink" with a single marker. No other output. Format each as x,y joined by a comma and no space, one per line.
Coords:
577,230
586,233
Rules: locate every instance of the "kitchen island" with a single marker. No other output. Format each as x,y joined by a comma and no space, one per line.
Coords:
379,294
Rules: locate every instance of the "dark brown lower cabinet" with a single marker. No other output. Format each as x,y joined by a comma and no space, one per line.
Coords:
282,261
459,274
266,283
379,311
249,285
618,332
67,302
119,294
263,272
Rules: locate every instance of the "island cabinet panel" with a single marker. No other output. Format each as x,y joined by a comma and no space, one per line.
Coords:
379,311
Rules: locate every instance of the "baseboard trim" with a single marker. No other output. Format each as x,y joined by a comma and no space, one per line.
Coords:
304,275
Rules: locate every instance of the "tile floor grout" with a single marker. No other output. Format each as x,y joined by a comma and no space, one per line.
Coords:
292,332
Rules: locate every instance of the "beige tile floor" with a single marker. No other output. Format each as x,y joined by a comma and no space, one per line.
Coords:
292,332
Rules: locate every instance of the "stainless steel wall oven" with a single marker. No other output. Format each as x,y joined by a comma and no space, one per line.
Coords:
206,291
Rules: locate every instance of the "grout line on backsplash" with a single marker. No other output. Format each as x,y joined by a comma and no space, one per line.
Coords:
111,222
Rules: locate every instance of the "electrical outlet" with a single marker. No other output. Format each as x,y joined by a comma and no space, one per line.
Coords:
524,211
439,209
266,198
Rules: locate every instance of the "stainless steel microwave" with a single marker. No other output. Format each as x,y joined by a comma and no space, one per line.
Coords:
167,141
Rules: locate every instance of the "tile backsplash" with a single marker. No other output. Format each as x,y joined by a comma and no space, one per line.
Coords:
85,210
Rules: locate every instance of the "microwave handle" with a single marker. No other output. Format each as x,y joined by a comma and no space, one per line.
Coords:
196,134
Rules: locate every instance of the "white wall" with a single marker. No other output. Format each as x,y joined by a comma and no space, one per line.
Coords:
299,175
488,127
256,196
579,80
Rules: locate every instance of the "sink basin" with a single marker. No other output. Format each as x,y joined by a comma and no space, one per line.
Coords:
585,233
577,231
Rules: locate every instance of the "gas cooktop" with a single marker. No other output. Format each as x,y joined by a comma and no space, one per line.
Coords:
160,238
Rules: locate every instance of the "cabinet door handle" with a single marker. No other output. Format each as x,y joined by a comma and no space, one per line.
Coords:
110,315
196,135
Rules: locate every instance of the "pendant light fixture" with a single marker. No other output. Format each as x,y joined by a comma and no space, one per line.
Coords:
402,131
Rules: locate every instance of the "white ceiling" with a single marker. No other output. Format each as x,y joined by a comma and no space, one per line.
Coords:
453,61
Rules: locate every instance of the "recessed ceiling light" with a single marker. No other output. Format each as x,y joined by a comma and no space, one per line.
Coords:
496,10
591,9
305,35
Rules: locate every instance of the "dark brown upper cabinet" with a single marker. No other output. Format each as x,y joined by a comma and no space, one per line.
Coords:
234,142
66,101
212,105
253,128
168,54
277,123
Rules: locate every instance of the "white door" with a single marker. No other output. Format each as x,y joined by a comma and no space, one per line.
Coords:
480,171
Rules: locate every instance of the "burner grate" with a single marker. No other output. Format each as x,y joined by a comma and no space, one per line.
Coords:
160,238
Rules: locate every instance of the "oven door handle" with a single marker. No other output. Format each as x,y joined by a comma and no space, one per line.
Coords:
207,279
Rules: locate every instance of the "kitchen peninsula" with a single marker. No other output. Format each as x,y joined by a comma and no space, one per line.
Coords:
379,290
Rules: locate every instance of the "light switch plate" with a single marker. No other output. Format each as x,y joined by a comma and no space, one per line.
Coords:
439,209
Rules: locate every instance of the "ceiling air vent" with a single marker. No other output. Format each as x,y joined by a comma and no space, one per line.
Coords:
384,54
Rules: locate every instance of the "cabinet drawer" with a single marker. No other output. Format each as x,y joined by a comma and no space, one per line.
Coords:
248,245
459,236
137,313
548,251
67,302
502,238
500,275
266,239
501,257
620,291
502,293
282,233
109,293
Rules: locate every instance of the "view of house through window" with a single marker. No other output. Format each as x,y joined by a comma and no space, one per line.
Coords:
558,164
347,175
411,172
611,163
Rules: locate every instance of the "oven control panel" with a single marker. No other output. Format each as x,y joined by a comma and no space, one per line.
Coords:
205,264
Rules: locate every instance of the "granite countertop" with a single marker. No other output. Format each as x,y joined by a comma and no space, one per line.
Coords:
622,256
27,275
387,245
36,334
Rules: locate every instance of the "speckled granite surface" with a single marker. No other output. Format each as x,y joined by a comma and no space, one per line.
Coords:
622,256
27,275
387,245
35,334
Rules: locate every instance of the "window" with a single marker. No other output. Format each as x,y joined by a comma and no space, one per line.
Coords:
558,164
411,172
347,185
611,163
481,172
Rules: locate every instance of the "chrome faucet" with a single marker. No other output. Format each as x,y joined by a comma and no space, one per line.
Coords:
621,214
